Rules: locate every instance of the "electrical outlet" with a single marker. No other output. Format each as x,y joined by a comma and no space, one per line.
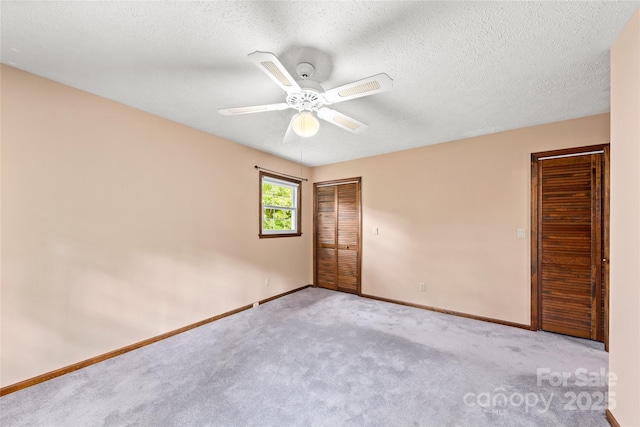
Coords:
255,304
422,287
267,281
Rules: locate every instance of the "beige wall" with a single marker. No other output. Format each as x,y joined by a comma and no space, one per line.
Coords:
624,357
448,216
118,226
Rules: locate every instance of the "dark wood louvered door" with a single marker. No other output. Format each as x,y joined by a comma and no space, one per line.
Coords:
571,233
337,239
325,237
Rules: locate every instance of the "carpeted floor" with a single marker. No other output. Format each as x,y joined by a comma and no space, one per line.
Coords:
323,358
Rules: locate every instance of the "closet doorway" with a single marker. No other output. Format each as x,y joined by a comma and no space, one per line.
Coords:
337,238
570,242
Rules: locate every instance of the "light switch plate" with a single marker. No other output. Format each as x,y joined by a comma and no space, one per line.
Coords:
522,233
375,231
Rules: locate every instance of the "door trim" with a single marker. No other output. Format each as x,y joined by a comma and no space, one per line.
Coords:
536,287
358,182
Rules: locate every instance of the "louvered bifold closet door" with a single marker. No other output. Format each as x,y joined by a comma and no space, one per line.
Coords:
326,210
570,242
337,225
348,227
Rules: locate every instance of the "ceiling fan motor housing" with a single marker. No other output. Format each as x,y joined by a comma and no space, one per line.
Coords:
309,99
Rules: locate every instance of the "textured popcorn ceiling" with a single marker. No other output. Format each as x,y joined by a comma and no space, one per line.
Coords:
460,69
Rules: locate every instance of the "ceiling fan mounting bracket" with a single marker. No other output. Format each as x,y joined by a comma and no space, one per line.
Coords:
305,70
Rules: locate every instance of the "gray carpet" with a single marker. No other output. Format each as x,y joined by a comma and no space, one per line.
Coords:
323,358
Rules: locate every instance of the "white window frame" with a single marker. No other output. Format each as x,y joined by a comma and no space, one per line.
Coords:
296,215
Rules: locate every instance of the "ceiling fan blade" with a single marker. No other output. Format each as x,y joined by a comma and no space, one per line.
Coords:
272,67
374,84
253,109
341,120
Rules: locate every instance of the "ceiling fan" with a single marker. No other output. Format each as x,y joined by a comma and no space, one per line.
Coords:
308,97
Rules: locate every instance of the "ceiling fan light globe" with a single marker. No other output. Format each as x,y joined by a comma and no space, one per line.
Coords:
305,124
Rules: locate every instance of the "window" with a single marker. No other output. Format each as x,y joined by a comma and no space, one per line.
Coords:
280,214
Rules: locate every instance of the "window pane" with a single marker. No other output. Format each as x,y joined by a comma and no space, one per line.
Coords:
277,219
267,219
277,195
282,201
267,193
